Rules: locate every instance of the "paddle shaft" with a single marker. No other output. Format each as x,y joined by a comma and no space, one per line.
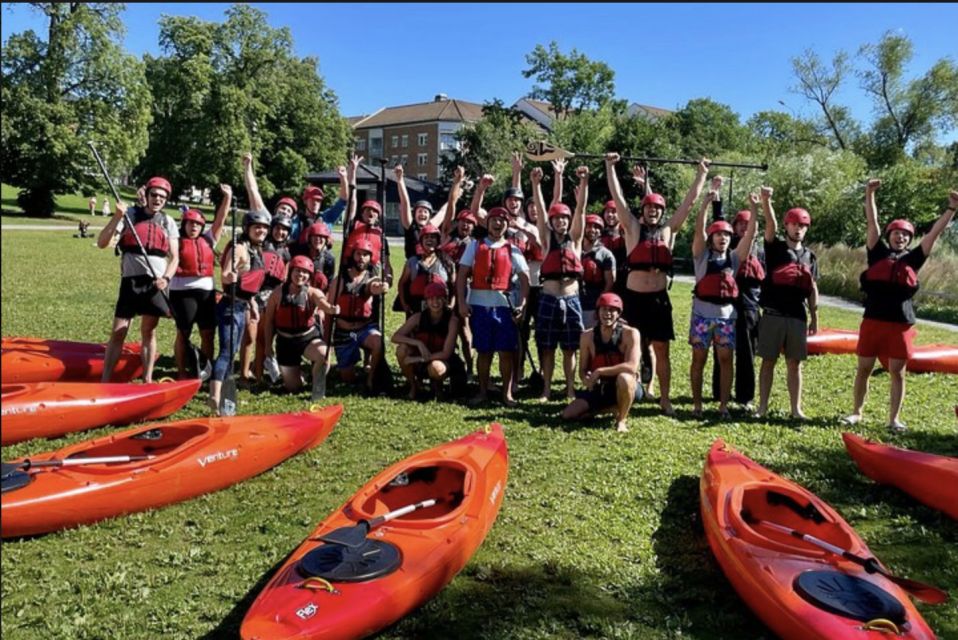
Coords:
76,462
641,160
398,513
228,399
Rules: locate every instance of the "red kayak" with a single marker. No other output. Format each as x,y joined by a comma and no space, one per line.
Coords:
150,466
50,409
931,358
49,344
53,364
798,589
836,341
929,478
352,577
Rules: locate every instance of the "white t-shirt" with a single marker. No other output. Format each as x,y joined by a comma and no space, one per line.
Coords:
488,297
133,263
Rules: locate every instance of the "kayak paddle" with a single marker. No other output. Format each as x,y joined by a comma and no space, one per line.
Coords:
355,535
28,464
228,392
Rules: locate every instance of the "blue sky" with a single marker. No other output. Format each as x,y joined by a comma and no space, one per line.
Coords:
662,55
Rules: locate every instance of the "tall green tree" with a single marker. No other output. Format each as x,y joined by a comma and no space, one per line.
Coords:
818,82
707,128
570,83
225,88
63,88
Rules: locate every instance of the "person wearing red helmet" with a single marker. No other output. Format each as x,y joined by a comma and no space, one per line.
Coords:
559,313
317,249
192,289
648,243
426,344
487,269
598,268
313,211
608,361
789,288
145,273
290,316
427,265
455,241
614,241
890,282
413,217
713,304
357,328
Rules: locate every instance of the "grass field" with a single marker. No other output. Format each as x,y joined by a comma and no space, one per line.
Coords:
599,534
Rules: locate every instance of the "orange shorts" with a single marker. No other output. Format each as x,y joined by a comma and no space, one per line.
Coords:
878,338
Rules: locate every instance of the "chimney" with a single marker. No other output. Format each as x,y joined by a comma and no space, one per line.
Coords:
441,97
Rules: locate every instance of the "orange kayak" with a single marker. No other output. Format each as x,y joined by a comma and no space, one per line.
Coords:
798,589
929,478
931,358
50,409
171,462
29,364
836,341
321,592
49,344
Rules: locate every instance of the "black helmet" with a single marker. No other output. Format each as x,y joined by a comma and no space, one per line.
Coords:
513,192
425,204
280,220
255,217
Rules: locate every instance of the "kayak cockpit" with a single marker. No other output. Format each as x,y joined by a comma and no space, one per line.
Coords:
446,481
10,390
148,442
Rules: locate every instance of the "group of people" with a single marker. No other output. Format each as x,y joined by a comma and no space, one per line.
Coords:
476,279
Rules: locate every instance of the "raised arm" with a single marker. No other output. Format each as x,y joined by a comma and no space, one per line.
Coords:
577,230
252,188
517,170
626,217
640,176
351,172
268,316
405,212
928,242
545,238
771,225
699,237
745,244
558,167
216,229
871,213
476,205
106,233
455,192
682,213
343,182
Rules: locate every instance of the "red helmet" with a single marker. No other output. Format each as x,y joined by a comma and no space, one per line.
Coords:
429,230
743,215
312,192
436,290
497,212
372,204
656,199
900,225
559,209
595,220
466,214
610,204
609,299
157,182
317,229
362,244
301,262
289,201
798,216
719,225
192,215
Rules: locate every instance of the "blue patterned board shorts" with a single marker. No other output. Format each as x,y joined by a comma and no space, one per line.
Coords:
703,332
559,322
348,344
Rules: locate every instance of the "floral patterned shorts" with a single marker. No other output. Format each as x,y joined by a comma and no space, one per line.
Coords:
706,331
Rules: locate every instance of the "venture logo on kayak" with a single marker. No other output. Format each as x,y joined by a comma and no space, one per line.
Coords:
218,457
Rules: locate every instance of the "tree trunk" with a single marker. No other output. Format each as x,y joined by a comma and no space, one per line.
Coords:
37,201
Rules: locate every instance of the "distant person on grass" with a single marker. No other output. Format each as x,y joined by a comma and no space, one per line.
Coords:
789,290
890,282
144,280
192,290
92,205
608,362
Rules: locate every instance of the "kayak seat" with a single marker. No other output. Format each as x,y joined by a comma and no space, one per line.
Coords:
848,596
444,481
169,440
338,563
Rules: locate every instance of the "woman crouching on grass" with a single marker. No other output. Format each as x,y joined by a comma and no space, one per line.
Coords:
427,344
890,283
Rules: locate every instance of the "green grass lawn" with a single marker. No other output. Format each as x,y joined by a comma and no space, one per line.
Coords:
599,533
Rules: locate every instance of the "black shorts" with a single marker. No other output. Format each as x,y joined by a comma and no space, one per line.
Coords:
194,306
140,297
289,351
604,395
650,313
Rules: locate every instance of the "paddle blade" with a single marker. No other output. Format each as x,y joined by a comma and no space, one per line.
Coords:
924,592
228,399
353,536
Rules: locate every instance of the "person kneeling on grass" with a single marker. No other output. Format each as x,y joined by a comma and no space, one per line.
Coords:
890,283
427,344
608,361
291,315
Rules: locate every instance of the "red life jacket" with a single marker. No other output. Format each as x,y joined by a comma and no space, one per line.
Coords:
275,269
151,234
718,285
592,273
425,276
295,313
607,354
455,248
356,302
890,275
433,335
651,251
373,234
196,257
492,268
250,282
751,273
562,261
796,274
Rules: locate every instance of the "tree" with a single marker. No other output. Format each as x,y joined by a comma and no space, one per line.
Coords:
776,133
57,93
818,83
225,88
707,128
569,83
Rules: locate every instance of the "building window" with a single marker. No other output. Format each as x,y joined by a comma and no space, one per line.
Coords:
360,144
393,160
405,141
447,142
395,141
421,159
423,139
404,160
422,176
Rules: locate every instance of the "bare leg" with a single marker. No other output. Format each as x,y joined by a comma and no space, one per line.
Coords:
246,349
648,354
794,373
896,372
699,358
408,370
505,371
179,352
148,349
765,378
860,392
724,355
114,346
663,371
374,345
483,365
578,408
624,394
568,368
547,360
